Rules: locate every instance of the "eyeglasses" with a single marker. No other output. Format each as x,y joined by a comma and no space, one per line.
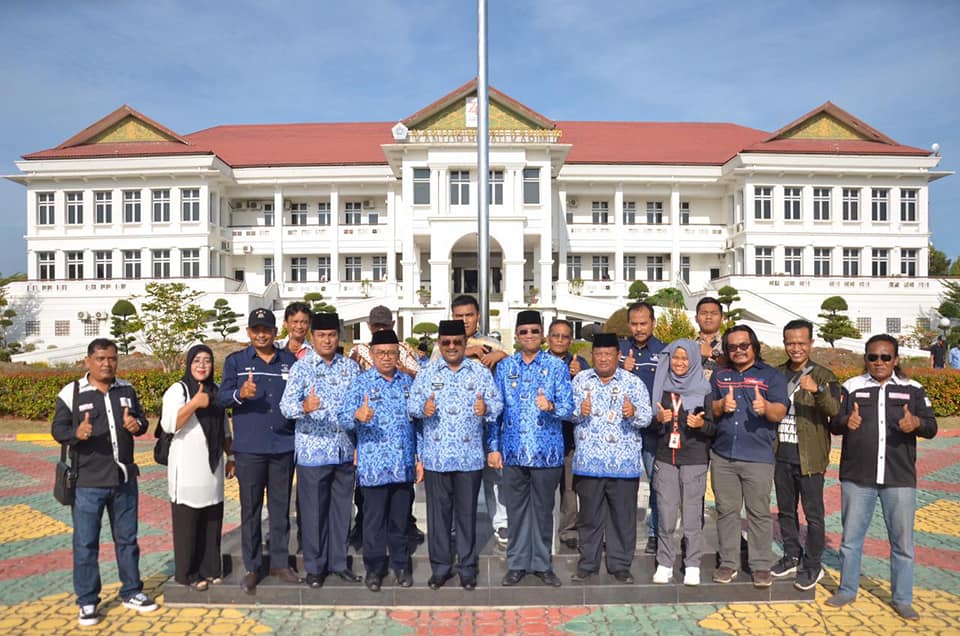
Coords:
386,354
524,332
873,357
559,336
449,342
200,362
740,346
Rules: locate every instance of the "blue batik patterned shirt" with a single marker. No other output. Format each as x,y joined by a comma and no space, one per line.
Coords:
528,436
454,438
608,444
386,445
320,440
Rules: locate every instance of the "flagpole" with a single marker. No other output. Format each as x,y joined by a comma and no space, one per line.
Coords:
483,159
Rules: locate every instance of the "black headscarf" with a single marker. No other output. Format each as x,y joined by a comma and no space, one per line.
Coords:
210,417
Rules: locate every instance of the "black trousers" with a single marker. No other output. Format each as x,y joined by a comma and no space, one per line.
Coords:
790,487
567,520
326,495
452,502
530,496
608,515
196,542
386,511
257,472
358,524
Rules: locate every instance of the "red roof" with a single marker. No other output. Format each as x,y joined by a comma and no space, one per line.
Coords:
834,147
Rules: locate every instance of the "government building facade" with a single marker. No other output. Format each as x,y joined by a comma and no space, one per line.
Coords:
386,213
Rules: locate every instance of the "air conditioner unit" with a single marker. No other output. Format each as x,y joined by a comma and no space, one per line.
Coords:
82,315
253,205
287,206
101,315
247,249
572,203
236,205
368,205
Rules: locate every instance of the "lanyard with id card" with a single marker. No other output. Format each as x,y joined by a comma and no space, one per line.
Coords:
677,403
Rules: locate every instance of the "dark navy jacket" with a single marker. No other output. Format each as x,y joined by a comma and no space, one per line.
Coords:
743,435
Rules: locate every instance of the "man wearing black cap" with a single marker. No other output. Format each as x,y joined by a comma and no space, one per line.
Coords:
457,404
325,451
253,382
375,408
611,407
529,448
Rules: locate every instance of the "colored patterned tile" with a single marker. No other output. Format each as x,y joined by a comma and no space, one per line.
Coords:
21,522
939,517
15,479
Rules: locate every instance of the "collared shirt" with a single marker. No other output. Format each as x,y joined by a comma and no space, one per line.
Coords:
320,438
608,444
454,438
301,352
955,357
744,435
258,424
386,445
645,358
106,458
711,362
476,340
526,435
409,361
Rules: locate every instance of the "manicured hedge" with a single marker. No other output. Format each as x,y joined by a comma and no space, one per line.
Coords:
941,385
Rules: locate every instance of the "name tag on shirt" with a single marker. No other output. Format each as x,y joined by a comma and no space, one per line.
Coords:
125,402
85,407
861,394
899,396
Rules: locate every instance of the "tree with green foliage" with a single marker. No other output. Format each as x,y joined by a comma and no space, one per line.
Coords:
672,324
7,315
836,325
667,297
172,320
425,328
939,264
317,304
224,318
124,323
950,303
638,292
954,268
727,295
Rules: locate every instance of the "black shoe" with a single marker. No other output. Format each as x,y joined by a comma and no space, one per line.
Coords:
286,575
651,546
623,576
348,575
468,582
549,577
436,582
404,578
581,576
373,581
415,535
315,580
784,567
807,580
513,577
249,583
570,543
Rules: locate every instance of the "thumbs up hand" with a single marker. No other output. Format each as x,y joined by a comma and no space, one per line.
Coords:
807,383
364,413
663,415
249,388
910,422
479,406
629,362
628,408
84,428
542,402
575,366
586,407
430,406
759,404
311,403
730,402
854,421
695,420
201,398
130,423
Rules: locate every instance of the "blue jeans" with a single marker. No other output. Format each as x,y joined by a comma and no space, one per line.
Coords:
121,504
648,455
898,506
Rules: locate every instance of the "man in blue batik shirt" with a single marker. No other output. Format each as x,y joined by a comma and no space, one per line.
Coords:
457,404
611,407
375,407
325,451
537,397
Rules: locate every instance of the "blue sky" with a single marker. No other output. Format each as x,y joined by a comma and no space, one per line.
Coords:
191,65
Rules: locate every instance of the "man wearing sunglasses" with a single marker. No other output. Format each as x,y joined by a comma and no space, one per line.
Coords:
528,447
882,416
749,400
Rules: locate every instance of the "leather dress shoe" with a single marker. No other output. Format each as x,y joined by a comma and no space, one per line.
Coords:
570,543
468,582
315,580
623,576
373,581
581,576
404,578
349,576
436,582
549,577
249,583
286,575
512,577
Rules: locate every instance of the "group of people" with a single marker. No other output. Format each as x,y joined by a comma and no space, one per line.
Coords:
520,425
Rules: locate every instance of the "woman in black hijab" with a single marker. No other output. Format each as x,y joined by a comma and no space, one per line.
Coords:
195,470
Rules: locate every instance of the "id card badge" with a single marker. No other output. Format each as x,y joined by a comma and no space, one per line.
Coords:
611,416
674,441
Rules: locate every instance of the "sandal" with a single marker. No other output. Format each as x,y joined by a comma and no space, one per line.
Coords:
200,585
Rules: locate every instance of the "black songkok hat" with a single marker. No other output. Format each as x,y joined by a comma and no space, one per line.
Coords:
324,321
528,317
452,328
387,336
605,340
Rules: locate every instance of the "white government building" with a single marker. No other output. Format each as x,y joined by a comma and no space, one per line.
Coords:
386,213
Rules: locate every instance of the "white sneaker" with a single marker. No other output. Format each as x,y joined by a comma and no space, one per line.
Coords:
663,574
140,602
691,576
88,615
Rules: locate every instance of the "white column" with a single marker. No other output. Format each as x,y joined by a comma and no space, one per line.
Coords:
89,211
205,215
176,210
60,264
513,290
279,266
617,277
562,240
441,177
674,236
335,239
546,256
391,234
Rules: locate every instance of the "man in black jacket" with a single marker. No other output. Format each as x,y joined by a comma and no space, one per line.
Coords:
98,416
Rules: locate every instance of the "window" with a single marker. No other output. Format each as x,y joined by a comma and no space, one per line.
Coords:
821,204
45,208
91,328
352,212
574,270
793,261
654,212
103,207
531,186
851,261
821,261
45,266
684,213
131,263
161,263
629,268
908,262
267,270
190,263
878,204
352,268
74,208
495,187
923,324
131,206
323,213
31,328
851,204
373,218
764,261
569,216
268,214
601,212
298,269
893,325
323,269
421,186
629,212
379,268
864,325
459,187
161,206
791,204
298,214
763,203
879,262
75,265
103,264
601,268
685,269
61,327
908,206
190,205
654,268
